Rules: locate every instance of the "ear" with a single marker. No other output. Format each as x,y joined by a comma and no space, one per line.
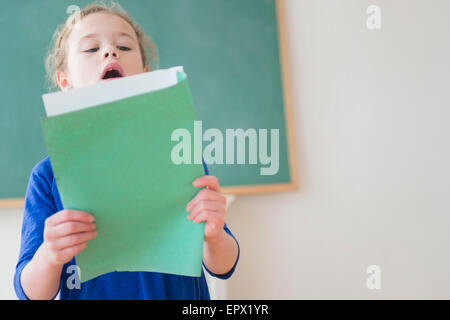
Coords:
63,80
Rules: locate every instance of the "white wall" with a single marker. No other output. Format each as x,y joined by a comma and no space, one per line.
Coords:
10,228
370,114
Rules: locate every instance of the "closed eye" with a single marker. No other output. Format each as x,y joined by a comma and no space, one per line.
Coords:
123,48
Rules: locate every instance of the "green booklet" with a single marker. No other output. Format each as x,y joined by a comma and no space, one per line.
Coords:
110,149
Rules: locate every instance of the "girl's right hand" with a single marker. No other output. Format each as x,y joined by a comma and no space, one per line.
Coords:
66,234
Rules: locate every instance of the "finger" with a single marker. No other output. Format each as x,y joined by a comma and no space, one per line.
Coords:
206,194
208,216
69,252
209,181
69,215
73,239
69,227
206,206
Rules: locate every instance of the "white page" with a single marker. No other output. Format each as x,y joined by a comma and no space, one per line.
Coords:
61,102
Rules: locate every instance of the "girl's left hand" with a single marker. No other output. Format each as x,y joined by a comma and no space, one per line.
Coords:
208,205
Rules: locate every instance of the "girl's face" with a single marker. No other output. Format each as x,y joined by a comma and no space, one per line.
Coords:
95,42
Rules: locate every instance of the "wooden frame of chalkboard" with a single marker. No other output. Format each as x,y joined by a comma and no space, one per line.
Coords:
12,203
292,184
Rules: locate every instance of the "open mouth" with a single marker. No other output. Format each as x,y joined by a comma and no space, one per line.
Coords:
112,71
112,74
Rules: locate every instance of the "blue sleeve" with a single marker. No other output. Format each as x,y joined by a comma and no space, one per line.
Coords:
39,205
225,227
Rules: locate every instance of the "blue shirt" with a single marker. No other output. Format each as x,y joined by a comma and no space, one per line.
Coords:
42,200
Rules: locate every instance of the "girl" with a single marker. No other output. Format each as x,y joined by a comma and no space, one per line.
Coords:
97,44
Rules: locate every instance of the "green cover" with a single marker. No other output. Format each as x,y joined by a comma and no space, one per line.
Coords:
114,161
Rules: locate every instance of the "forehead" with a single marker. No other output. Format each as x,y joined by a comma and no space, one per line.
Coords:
103,24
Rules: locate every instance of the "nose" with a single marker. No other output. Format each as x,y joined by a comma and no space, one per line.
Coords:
110,51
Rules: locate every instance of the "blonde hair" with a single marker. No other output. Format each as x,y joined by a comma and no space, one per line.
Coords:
56,56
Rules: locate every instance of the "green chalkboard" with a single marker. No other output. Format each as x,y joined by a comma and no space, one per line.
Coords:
229,49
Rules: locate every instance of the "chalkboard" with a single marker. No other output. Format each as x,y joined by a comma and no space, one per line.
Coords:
232,50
